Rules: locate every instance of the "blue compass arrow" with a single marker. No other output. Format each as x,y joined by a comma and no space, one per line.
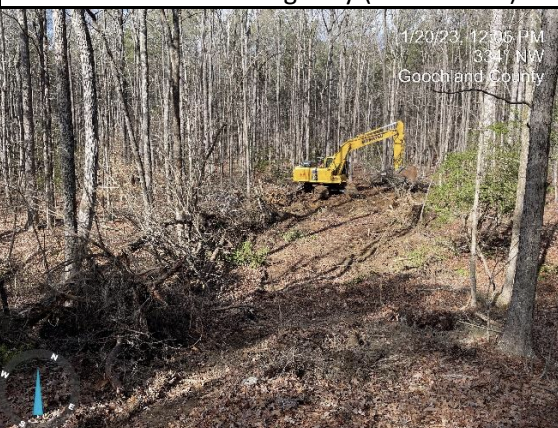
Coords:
38,405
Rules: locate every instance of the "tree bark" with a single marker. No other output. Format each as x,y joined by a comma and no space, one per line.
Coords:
178,161
90,122
175,97
488,118
245,33
28,142
67,143
385,92
42,39
4,153
167,141
505,296
148,166
517,334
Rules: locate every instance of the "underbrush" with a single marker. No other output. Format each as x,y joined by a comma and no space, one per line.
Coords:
147,283
245,255
422,256
453,191
292,235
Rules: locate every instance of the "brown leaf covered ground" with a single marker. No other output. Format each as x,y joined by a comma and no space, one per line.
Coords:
355,321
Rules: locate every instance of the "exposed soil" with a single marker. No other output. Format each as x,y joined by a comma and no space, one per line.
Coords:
354,320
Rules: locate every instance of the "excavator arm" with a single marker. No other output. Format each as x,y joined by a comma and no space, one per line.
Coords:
395,130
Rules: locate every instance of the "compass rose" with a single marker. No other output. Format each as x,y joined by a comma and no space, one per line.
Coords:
54,367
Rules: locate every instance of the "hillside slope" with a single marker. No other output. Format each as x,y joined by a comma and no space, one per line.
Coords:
354,321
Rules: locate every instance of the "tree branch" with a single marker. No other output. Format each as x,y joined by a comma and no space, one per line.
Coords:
525,103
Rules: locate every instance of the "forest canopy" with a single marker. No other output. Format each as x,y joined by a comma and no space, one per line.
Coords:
279,217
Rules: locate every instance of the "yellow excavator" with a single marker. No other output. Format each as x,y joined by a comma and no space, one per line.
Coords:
332,172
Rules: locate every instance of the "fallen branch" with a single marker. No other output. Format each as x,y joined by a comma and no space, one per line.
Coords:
438,289
487,319
226,308
218,247
487,269
109,365
166,275
43,309
479,326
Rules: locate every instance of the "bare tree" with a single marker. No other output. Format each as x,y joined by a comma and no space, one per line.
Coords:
42,42
505,296
517,335
90,122
28,142
173,38
145,106
121,85
488,118
67,144
245,34
4,155
385,103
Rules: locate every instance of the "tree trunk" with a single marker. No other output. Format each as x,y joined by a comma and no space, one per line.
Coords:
385,92
28,142
4,152
175,97
120,70
67,144
488,118
505,296
178,160
148,166
91,152
245,88
517,335
167,141
46,119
